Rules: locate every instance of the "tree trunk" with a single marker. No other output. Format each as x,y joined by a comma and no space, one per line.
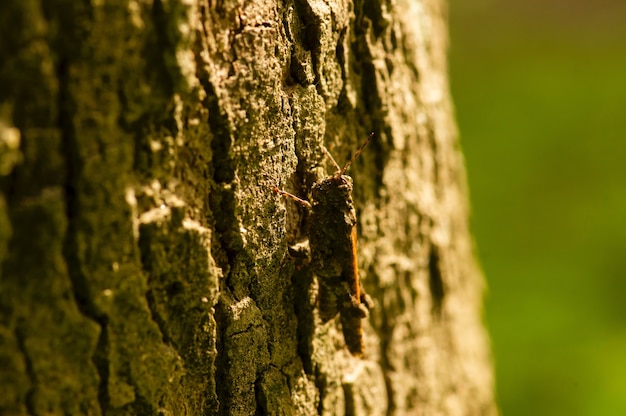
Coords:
147,266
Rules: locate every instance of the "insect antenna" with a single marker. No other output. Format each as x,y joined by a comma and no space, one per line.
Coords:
332,159
358,152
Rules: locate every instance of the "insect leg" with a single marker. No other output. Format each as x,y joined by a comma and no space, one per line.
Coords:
292,196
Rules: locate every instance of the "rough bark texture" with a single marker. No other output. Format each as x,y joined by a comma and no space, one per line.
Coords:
146,265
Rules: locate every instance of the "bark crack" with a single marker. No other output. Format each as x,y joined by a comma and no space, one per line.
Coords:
436,285
20,339
79,283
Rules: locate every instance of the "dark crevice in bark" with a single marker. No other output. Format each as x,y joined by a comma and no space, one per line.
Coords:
341,60
364,66
221,141
222,200
299,254
435,281
374,11
300,70
302,281
221,361
141,406
386,330
310,24
156,317
349,403
226,241
155,281
166,47
432,139
320,384
80,285
141,119
261,400
101,362
20,339
362,61
311,38
82,296
303,178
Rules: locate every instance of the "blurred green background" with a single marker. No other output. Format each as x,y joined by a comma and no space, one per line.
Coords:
540,95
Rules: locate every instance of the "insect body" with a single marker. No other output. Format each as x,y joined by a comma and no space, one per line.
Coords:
333,242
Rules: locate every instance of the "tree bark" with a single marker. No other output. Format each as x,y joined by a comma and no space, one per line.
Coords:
146,265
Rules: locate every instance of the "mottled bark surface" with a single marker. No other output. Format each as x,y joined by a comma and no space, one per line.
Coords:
146,265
